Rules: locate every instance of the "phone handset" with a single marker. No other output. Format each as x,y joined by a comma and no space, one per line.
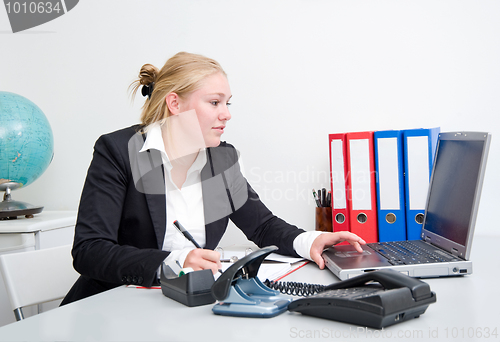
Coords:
389,280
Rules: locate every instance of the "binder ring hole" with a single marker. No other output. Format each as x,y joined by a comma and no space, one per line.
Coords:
390,218
362,218
419,218
340,218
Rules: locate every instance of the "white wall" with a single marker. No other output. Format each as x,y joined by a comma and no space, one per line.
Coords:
298,71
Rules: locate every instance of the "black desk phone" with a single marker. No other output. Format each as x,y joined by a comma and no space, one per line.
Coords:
394,298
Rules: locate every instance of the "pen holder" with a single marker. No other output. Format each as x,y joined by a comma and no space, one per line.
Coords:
324,219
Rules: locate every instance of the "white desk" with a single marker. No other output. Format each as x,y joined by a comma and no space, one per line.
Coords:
47,229
466,307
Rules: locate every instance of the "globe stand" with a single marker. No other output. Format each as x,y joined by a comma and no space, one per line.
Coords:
11,209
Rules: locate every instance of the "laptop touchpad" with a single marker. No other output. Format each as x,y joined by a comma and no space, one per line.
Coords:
350,254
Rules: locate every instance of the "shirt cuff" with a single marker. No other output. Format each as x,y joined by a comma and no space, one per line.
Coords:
303,242
177,258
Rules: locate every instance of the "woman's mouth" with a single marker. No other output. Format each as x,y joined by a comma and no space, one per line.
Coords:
219,129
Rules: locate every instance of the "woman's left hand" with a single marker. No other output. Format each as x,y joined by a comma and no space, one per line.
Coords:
326,240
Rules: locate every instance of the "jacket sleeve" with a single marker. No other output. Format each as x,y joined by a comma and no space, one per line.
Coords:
98,251
256,221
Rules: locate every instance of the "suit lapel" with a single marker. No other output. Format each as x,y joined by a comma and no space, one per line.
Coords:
148,174
215,201
157,202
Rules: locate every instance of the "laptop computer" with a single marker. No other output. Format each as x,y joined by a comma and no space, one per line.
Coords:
449,221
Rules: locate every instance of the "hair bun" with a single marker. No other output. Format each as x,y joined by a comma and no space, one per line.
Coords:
148,74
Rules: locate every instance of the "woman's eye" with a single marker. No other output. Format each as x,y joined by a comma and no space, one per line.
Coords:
215,103
228,104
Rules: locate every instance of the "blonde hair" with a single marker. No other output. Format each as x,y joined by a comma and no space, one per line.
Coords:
182,74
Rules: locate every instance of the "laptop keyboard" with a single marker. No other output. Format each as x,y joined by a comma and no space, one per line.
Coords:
409,253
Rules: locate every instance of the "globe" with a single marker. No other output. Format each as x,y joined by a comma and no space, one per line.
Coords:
26,149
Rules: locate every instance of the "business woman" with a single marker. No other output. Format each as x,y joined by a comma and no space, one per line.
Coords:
173,166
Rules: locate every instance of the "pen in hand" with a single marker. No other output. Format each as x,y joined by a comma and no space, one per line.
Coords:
188,236
184,232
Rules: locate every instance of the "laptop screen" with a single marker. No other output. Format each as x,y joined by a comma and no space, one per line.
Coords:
451,198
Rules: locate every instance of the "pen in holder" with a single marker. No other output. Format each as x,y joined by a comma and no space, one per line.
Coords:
324,219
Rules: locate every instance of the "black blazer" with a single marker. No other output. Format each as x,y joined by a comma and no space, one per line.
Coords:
122,214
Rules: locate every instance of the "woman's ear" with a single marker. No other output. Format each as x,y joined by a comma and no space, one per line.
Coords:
173,103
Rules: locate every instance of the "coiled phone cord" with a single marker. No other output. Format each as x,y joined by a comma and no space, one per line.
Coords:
294,288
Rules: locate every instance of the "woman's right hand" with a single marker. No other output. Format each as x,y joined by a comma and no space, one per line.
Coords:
202,259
